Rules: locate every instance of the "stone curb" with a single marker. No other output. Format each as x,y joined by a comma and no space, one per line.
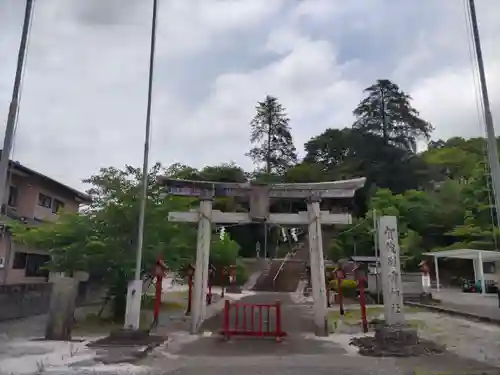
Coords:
454,312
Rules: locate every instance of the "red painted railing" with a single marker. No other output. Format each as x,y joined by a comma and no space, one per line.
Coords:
252,319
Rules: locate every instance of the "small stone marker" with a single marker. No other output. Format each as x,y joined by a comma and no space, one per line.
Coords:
391,271
62,308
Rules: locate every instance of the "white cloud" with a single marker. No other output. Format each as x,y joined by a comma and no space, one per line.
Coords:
84,95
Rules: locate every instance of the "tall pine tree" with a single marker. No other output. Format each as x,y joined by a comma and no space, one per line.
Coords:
273,150
386,112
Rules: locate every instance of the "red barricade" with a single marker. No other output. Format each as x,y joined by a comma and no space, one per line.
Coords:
252,319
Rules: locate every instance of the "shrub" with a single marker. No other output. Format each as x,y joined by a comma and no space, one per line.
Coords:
349,287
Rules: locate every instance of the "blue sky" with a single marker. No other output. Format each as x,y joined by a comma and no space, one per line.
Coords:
84,93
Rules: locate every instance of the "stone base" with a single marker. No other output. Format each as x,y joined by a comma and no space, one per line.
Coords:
235,289
125,337
426,298
396,335
396,341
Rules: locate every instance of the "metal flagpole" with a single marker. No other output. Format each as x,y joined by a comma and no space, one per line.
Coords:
14,103
488,118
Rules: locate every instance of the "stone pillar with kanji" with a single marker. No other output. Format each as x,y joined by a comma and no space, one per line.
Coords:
394,331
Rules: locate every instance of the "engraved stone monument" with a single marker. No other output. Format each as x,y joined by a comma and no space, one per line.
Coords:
395,329
391,271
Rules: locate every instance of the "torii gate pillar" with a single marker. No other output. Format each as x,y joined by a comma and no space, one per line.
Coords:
317,267
202,259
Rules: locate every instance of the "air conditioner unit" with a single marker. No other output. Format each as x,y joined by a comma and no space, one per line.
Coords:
2,262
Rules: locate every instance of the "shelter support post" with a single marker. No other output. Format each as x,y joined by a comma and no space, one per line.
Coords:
202,258
436,268
480,272
476,272
317,267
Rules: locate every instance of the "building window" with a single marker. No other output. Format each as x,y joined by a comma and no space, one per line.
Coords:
57,206
44,200
35,265
12,202
19,261
489,267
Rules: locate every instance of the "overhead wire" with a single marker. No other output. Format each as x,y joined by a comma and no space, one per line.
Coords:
480,111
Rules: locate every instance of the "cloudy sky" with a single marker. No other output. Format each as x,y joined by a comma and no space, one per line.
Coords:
84,95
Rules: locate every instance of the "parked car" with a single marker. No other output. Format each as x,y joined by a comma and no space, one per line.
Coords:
471,286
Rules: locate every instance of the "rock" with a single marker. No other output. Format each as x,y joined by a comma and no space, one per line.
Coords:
235,289
396,335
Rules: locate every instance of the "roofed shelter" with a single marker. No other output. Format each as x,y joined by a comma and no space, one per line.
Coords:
478,257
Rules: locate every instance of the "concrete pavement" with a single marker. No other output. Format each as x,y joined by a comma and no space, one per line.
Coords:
185,354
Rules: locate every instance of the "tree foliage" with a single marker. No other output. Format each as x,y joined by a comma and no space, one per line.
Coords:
271,137
387,113
441,196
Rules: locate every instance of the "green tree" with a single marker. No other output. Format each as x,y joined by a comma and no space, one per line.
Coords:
387,112
271,137
101,240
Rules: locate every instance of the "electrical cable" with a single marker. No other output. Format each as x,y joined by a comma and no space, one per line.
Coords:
480,115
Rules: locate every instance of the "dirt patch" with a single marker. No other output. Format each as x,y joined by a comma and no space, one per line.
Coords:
369,346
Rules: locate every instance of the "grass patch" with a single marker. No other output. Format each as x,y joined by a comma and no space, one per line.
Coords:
353,316
148,303
178,294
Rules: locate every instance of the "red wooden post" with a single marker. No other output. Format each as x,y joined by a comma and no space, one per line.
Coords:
160,269
209,296
224,274
279,336
190,272
245,318
233,274
362,303
190,294
340,277
227,306
211,275
156,313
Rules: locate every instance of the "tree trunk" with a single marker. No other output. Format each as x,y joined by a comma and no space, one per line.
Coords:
383,117
268,156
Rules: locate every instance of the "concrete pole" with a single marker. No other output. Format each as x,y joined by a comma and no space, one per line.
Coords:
10,127
134,290
480,272
317,267
199,307
436,270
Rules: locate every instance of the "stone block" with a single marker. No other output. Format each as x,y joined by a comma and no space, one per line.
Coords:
398,335
235,289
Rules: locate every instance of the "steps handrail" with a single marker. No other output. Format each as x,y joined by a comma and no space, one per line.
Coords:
288,255
280,268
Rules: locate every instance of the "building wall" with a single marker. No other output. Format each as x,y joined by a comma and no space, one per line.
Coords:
29,205
18,275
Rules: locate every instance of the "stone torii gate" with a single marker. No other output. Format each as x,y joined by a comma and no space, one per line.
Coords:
259,196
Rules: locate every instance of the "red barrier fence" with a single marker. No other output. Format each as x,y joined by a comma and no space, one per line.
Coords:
252,319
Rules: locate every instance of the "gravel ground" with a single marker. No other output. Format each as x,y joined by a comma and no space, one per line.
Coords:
473,350
479,341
